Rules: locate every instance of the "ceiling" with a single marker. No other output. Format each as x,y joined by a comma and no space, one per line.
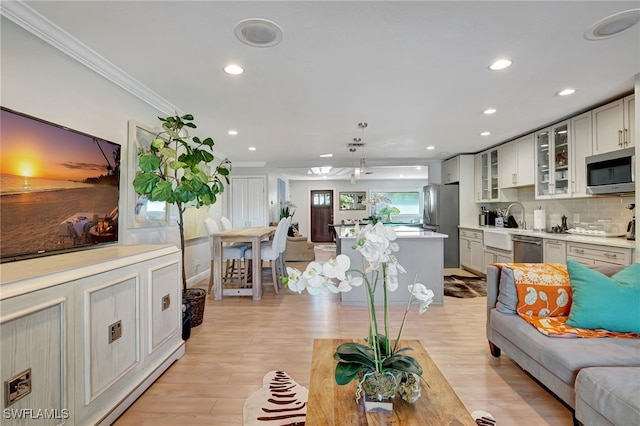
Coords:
416,72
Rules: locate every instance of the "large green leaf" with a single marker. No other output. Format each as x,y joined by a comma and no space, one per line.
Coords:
145,182
149,162
163,191
402,363
157,143
168,152
346,372
208,142
352,352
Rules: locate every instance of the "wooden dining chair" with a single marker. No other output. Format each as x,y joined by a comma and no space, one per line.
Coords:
270,252
236,253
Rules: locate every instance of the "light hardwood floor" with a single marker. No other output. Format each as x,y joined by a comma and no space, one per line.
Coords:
240,340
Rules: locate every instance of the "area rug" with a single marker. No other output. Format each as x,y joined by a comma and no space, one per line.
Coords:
279,402
465,287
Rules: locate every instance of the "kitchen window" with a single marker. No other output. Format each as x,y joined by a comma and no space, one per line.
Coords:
408,202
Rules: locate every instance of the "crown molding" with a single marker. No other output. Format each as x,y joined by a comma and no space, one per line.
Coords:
32,21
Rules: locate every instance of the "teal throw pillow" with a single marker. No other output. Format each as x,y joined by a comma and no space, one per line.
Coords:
601,302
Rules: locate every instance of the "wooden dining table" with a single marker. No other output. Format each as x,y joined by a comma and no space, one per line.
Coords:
253,235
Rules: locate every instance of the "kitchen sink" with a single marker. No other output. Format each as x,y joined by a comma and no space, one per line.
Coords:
498,238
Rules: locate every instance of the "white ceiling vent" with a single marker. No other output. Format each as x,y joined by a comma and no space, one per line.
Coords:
258,32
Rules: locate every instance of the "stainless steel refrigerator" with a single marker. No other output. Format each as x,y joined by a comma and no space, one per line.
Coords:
440,214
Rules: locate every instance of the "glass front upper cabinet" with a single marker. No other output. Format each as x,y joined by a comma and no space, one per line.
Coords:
487,178
552,162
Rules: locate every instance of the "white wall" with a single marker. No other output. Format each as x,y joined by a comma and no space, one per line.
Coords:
41,81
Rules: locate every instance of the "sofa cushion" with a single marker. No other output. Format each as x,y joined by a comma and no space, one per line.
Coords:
508,296
565,357
612,392
543,289
600,302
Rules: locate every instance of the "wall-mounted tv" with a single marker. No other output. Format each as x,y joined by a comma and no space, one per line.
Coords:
59,188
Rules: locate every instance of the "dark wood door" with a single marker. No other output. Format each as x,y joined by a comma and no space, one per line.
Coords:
321,215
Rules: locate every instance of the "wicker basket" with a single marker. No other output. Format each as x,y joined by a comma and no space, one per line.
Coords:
195,298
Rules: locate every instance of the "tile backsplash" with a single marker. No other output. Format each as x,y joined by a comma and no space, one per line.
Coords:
589,209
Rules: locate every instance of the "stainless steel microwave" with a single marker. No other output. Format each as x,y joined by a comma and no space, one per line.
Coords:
612,172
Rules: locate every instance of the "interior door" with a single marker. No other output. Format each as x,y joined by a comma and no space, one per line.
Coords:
248,206
321,215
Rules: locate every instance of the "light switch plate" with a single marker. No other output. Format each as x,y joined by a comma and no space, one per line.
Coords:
115,331
166,302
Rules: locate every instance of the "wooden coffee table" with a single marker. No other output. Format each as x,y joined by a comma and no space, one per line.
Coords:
330,404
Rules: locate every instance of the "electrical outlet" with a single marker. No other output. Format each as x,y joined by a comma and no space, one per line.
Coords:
576,218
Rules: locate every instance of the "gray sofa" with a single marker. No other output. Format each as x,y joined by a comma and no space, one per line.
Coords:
605,393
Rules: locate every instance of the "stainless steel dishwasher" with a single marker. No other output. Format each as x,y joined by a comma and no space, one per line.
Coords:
527,249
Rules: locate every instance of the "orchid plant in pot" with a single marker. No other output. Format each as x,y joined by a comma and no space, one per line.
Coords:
380,365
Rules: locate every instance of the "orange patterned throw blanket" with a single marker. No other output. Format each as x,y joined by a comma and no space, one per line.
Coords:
544,300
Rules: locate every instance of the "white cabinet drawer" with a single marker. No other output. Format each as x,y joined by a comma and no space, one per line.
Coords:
471,234
598,254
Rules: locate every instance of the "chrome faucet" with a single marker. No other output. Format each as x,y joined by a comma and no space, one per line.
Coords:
523,223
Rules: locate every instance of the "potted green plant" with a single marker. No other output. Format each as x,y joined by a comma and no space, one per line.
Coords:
388,211
179,169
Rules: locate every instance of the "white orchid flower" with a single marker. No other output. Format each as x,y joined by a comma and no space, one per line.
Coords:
423,294
336,267
295,281
349,282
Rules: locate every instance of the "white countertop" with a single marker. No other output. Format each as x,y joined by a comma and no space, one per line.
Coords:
587,239
405,232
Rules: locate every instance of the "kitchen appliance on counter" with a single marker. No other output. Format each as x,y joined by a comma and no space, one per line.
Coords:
631,226
482,218
488,218
441,214
611,172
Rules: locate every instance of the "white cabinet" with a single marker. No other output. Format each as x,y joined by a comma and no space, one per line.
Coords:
488,176
553,169
614,125
554,251
516,167
248,202
451,170
594,254
471,252
494,255
93,329
581,148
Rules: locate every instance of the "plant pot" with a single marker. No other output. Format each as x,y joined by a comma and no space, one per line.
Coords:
195,299
379,390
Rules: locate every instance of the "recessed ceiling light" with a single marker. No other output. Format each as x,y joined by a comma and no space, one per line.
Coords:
233,69
500,64
566,92
431,148
252,148
232,132
326,155
489,111
258,32
485,133
613,25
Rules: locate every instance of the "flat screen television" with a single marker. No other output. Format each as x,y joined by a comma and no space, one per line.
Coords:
59,188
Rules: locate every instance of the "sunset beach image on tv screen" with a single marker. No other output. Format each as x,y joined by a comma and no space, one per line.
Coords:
58,187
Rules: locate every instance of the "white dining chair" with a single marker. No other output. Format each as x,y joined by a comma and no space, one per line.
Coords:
270,252
225,225
235,253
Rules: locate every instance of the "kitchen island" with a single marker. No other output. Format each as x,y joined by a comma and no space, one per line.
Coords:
421,254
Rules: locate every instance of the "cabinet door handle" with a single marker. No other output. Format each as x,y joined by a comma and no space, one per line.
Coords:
626,137
619,137
578,250
610,255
